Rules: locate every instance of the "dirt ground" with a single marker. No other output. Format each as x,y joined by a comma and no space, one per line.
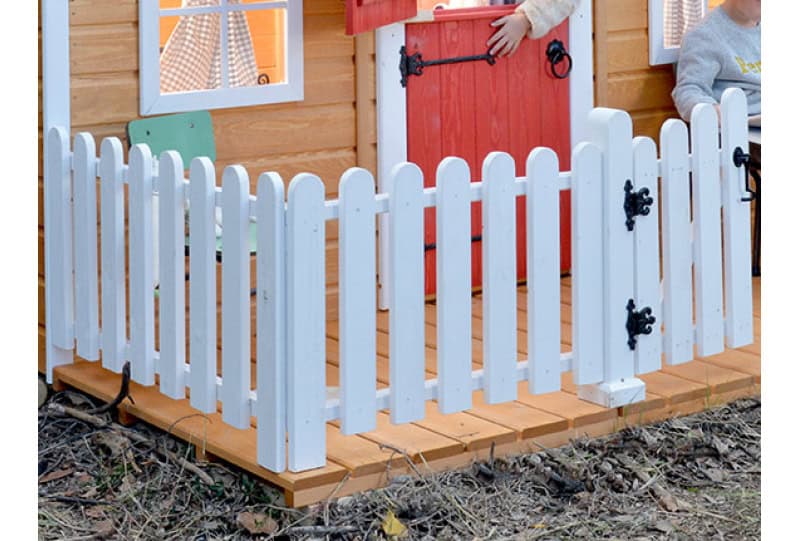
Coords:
695,477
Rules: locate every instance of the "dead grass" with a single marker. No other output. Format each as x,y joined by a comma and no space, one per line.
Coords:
696,477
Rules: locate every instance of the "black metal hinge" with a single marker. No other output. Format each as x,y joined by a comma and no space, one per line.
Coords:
412,64
639,322
636,203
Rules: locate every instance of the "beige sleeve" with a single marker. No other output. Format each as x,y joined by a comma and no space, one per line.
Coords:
544,15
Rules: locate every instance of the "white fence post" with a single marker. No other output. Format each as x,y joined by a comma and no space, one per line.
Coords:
235,297
736,223
87,325
202,286
305,345
357,307
611,130
112,243
677,310
454,286
499,262
140,231
706,201
59,300
647,279
406,295
587,251
172,278
271,323
544,276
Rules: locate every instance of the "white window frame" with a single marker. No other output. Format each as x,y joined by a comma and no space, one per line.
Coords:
658,53
152,101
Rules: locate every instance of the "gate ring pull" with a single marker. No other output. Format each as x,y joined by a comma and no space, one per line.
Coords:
556,53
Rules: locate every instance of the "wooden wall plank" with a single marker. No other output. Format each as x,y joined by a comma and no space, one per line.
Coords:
104,48
636,91
628,51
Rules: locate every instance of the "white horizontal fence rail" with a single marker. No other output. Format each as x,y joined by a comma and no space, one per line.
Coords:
615,277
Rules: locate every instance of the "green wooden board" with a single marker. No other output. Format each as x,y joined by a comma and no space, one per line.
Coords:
191,134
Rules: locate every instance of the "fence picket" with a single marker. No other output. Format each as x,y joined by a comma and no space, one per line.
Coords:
544,275
499,260
587,251
112,245
357,306
707,243
305,278
647,273
59,301
202,286
172,281
406,295
235,297
454,286
736,223
87,326
271,322
140,231
678,332
612,130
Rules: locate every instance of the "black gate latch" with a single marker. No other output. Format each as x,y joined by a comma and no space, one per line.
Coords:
412,64
638,322
636,203
740,158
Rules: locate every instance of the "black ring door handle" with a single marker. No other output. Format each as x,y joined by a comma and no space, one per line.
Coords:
556,53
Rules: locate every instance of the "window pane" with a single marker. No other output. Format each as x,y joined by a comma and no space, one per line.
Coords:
268,32
191,56
679,17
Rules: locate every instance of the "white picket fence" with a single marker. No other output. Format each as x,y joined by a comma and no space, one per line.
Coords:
611,266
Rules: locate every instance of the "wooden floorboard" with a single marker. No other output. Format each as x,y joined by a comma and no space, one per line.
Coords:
441,441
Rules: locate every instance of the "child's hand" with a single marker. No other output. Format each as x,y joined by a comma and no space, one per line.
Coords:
512,28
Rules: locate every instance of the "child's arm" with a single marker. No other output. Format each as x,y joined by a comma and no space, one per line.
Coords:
533,18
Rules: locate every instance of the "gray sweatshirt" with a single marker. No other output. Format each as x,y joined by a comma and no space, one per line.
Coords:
715,55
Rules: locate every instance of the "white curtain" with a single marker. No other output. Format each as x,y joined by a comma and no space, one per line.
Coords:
191,59
679,17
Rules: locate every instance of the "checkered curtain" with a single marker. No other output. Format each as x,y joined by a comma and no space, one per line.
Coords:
679,17
191,59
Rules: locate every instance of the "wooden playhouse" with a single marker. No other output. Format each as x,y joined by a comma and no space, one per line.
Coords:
362,102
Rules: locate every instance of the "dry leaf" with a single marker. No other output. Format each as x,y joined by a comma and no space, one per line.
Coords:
114,442
95,511
256,523
393,527
54,475
663,526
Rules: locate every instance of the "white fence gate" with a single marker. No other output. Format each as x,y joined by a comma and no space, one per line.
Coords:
618,286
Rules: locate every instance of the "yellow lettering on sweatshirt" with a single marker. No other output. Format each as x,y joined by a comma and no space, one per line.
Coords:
748,67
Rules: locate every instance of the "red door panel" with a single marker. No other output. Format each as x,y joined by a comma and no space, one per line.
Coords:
366,15
473,108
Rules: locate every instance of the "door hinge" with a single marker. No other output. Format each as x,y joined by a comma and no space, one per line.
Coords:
412,64
636,203
639,322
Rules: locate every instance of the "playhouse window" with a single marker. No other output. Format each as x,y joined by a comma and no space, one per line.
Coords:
209,54
669,21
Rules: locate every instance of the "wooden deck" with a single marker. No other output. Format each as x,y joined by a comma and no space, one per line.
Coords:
440,442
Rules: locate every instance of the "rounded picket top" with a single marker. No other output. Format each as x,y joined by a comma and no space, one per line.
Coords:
84,145
603,119
733,99
541,159
703,115
202,166
141,156
270,184
110,153
358,179
498,165
306,185
171,160
406,176
674,134
453,168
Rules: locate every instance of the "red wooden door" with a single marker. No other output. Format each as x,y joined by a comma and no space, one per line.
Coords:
365,15
473,108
